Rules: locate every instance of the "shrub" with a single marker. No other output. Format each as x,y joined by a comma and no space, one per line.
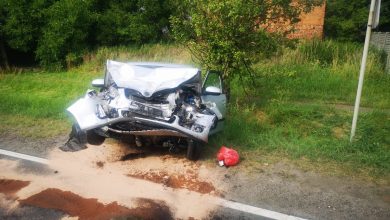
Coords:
65,32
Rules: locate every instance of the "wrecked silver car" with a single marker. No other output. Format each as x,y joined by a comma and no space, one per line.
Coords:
160,104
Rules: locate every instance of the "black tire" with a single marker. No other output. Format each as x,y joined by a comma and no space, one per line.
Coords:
78,134
94,139
194,150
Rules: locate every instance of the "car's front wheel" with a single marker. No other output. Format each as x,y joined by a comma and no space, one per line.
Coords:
93,138
194,150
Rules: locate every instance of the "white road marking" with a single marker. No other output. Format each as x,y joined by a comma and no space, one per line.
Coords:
221,202
24,156
256,210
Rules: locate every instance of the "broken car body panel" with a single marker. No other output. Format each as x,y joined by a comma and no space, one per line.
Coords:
149,78
151,99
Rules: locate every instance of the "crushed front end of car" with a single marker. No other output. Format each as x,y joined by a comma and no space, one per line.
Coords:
160,104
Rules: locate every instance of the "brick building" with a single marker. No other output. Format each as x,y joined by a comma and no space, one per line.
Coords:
311,24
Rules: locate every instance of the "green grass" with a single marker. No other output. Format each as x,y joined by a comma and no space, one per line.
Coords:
295,109
310,131
305,82
33,104
325,72
292,113
41,95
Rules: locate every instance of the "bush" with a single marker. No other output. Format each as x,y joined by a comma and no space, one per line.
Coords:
65,32
127,22
347,20
230,36
59,31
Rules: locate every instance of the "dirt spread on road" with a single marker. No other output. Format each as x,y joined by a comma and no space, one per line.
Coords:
100,164
75,205
115,173
9,187
99,172
189,182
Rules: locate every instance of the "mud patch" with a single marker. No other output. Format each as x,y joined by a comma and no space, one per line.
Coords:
100,164
133,156
10,187
75,205
149,209
177,181
386,198
111,182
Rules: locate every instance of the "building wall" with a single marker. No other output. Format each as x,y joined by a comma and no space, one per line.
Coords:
381,40
311,24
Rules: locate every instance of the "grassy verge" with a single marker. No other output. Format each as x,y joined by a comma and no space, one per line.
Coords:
33,104
288,115
298,110
312,132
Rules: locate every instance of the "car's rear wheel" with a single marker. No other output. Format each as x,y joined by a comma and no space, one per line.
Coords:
93,138
194,150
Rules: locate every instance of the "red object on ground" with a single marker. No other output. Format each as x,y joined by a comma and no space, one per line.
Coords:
229,156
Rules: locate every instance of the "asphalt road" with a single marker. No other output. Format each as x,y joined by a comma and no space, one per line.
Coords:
277,191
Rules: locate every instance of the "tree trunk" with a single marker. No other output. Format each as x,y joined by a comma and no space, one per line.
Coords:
226,88
3,55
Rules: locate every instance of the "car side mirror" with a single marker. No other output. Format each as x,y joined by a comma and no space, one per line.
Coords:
98,83
212,90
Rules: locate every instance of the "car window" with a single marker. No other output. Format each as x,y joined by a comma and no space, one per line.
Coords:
212,80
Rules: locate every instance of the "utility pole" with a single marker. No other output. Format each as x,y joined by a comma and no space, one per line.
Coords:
373,14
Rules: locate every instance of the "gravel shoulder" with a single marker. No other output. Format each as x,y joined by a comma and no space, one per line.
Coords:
31,146
285,188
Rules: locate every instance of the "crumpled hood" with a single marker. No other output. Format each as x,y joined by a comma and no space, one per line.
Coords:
149,79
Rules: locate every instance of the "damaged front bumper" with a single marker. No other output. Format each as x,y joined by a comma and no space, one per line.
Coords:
85,110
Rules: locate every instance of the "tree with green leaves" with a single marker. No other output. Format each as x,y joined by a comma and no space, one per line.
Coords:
231,35
347,20
132,22
58,32
65,32
21,24
3,54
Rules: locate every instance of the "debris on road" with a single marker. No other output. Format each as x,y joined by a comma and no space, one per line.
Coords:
75,142
227,157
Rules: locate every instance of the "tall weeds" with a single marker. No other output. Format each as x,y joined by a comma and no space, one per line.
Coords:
148,52
342,57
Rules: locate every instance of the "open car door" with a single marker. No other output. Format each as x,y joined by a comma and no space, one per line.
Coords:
212,92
